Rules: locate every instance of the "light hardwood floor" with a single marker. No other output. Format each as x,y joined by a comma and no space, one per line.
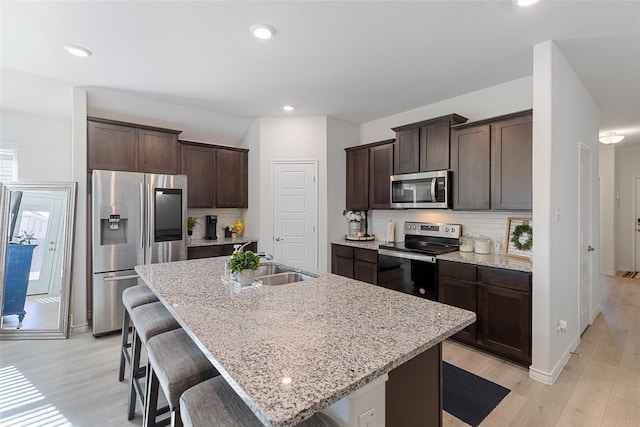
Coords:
77,378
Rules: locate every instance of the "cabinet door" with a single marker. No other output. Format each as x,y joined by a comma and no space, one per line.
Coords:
111,147
461,294
158,152
342,260
504,322
407,151
365,265
511,145
197,252
198,163
232,180
380,169
358,179
471,166
434,147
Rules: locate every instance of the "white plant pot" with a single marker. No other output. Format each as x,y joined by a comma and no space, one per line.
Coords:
246,277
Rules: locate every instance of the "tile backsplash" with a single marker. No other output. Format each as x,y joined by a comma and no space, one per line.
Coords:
225,216
487,223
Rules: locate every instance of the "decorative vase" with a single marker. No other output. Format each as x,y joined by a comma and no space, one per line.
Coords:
227,233
354,228
246,276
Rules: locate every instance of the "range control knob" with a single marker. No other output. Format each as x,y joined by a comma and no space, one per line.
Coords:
422,291
446,229
453,229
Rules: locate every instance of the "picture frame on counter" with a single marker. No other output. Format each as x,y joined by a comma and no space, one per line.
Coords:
519,238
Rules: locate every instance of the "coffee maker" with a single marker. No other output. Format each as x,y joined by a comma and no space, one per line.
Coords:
211,223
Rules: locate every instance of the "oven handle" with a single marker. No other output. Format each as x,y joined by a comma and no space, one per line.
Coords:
406,255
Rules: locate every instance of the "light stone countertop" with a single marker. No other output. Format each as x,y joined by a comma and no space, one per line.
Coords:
364,244
195,242
489,260
330,336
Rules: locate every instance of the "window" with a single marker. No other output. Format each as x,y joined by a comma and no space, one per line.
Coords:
9,161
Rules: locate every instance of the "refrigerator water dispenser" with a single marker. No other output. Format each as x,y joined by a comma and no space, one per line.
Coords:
113,225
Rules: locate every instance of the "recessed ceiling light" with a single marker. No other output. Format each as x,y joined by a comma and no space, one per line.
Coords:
262,31
611,138
80,51
288,108
524,2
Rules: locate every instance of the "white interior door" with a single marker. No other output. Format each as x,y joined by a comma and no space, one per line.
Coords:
636,227
585,236
295,213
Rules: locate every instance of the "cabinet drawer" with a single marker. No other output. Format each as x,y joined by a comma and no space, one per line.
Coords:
204,252
511,279
343,251
366,255
457,270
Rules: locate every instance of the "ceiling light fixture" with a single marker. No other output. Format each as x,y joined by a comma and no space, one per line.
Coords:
288,108
524,2
262,31
611,138
80,51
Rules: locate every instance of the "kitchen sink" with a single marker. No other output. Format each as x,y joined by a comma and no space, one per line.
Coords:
283,278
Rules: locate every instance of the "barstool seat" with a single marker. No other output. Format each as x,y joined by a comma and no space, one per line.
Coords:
175,364
148,320
131,298
213,403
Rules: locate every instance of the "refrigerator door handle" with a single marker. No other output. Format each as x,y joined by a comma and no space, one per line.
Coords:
141,215
118,278
150,209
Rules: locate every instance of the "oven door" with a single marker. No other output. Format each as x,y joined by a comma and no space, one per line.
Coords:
410,273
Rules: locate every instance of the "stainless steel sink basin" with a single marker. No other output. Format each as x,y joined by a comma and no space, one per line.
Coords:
283,278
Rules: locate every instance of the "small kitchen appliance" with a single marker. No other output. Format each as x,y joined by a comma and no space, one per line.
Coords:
212,225
410,266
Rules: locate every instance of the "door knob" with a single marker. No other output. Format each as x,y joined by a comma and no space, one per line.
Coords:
278,239
590,248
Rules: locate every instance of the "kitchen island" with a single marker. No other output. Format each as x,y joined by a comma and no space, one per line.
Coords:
292,350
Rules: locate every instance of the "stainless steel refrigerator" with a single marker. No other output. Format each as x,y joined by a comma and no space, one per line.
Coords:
137,219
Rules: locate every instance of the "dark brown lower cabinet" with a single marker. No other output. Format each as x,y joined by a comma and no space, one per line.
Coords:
355,263
196,252
501,300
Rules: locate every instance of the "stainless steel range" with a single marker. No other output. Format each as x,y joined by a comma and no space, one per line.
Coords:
410,266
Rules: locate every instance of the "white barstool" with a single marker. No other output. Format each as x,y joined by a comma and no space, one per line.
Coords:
131,298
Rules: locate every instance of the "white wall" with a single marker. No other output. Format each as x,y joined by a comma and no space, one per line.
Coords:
565,115
501,99
195,124
340,134
45,144
608,209
627,168
293,138
252,215
490,102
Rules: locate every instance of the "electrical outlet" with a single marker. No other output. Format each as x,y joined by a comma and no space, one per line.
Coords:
368,419
557,213
562,326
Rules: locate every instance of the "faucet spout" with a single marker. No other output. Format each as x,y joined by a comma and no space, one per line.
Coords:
240,248
265,255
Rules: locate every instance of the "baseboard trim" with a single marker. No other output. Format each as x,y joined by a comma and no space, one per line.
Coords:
608,273
78,329
550,378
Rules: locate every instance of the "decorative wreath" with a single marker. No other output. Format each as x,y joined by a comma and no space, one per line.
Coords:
517,234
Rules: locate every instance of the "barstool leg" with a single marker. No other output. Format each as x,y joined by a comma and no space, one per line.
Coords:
151,407
125,355
134,375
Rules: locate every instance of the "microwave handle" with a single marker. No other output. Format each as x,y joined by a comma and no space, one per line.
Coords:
433,189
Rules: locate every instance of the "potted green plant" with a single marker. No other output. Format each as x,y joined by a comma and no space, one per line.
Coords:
244,265
191,222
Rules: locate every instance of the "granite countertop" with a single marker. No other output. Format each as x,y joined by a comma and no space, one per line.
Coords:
364,244
328,336
201,241
489,260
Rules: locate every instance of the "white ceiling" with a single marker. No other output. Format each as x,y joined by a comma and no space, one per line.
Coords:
356,61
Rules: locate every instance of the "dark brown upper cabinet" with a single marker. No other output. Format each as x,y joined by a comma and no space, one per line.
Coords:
232,178
218,177
424,146
369,167
471,167
511,159
491,163
120,146
196,162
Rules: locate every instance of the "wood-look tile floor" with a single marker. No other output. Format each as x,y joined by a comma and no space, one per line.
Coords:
75,380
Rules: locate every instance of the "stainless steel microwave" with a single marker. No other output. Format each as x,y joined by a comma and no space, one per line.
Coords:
424,190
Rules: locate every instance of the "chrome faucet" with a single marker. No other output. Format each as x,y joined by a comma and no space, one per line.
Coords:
240,248
265,255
